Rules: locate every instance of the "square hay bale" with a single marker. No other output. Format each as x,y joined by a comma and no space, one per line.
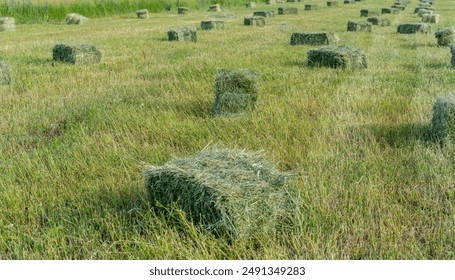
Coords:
142,14
266,14
337,57
185,33
76,54
378,21
287,11
430,18
332,3
392,11
310,7
423,12
363,13
314,38
349,2
75,19
215,8
270,2
359,26
250,5
231,193
411,28
445,36
443,121
452,52
6,73
212,24
254,20
7,24
236,91
400,7
183,10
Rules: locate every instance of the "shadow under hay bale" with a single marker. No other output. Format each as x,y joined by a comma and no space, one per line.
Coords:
254,21
6,73
445,36
443,121
212,24
412,28
287,11
76,54
142,14
215,8
230,193
314,38
430,18
75,19
392,11
337,57
185,33
310,7
7,24
236,91
266,14
379,21
354,26
183,10
332,3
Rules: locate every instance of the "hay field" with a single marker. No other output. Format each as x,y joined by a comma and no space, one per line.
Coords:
75,139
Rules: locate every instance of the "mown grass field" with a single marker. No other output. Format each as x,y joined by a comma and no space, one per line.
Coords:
75,140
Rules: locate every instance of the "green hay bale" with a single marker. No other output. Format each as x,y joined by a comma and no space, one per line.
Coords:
363,13
6,73
378,21
266,14
332,3
392,11
412,28
452,51
287,11
254,21
430,18
337,57
359,26
270,2
443,121
445,36
349,2
183,10
76,54
314,38
399,7
212,24
75,19
7,24
142,14
185,33
236,91
310,7
231,193
215,8
423,12
250,5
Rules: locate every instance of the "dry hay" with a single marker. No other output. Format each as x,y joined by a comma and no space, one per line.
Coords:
266,14
411,28
142,14
443,121
314,38
430,18
7,24
250,5
75,19
393,11
76,54
337,57
236,91
183,10
332,3
359,26
212,24
185,33
287,10
445,36
309,7
254,20
6,73
215,8
231,193
378,21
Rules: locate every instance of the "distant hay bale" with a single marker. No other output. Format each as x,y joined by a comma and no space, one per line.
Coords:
236,91
332,3
349,2
254,21
270,2
443,121
422,12
250,5
75,19
183,10
359,26
266,14
314,38
6,73
392,11
337,57
400,7
185,33
430,18
287,11
445,36
142,14
452,52
378,21
363,13
231,193
76,54
411,28
310,7
7,24
215,8
212,24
